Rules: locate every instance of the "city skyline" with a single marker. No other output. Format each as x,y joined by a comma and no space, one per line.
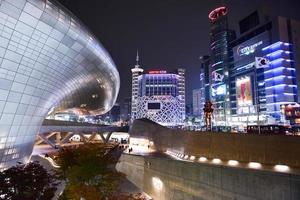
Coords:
168,34
102,98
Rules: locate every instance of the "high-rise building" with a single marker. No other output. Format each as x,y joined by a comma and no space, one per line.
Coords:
197,102
126,109
263,74
181,90
161,97
204,93
220,57
113,116
136,71
115,113
189,110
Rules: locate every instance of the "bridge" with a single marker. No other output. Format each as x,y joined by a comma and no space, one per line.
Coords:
58,133
175,164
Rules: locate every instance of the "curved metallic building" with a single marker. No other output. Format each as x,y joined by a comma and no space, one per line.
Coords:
48,61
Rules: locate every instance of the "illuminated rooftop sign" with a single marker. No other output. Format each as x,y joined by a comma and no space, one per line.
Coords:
246,50
157,72
216,13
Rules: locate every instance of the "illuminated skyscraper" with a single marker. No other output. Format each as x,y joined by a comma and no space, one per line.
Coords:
220,56
136,71
204,93
197,103
126,109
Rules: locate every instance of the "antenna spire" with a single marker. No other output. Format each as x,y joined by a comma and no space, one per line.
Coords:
137,57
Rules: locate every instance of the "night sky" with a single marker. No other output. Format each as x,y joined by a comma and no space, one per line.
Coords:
168,33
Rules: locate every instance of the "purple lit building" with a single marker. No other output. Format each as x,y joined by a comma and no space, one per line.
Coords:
160,97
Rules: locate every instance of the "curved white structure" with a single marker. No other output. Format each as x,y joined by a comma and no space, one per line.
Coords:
48,61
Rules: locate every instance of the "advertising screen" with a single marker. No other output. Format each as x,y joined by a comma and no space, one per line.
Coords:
219,90
244,93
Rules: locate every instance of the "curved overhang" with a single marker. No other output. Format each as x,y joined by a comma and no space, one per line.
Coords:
49,62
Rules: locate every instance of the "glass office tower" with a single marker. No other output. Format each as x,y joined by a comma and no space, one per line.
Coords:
220,57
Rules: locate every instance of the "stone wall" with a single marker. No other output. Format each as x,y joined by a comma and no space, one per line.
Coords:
166,179
266,149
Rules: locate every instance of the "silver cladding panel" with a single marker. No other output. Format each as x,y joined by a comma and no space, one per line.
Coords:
48,60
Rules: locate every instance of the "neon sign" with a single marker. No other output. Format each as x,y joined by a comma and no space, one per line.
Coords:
216,76
157,72
246,50
216,13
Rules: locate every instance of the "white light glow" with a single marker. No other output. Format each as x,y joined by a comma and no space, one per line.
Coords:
157,183
233,162
216,160
186,157
254,165
282,168
51,161
202,159
192,158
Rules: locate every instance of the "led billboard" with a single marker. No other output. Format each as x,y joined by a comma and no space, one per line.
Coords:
219,90
244,95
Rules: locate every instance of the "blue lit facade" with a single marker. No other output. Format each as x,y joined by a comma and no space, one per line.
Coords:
251,76
256,93
280,77
247,87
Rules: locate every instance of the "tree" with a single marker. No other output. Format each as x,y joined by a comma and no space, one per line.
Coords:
27,182
89,171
